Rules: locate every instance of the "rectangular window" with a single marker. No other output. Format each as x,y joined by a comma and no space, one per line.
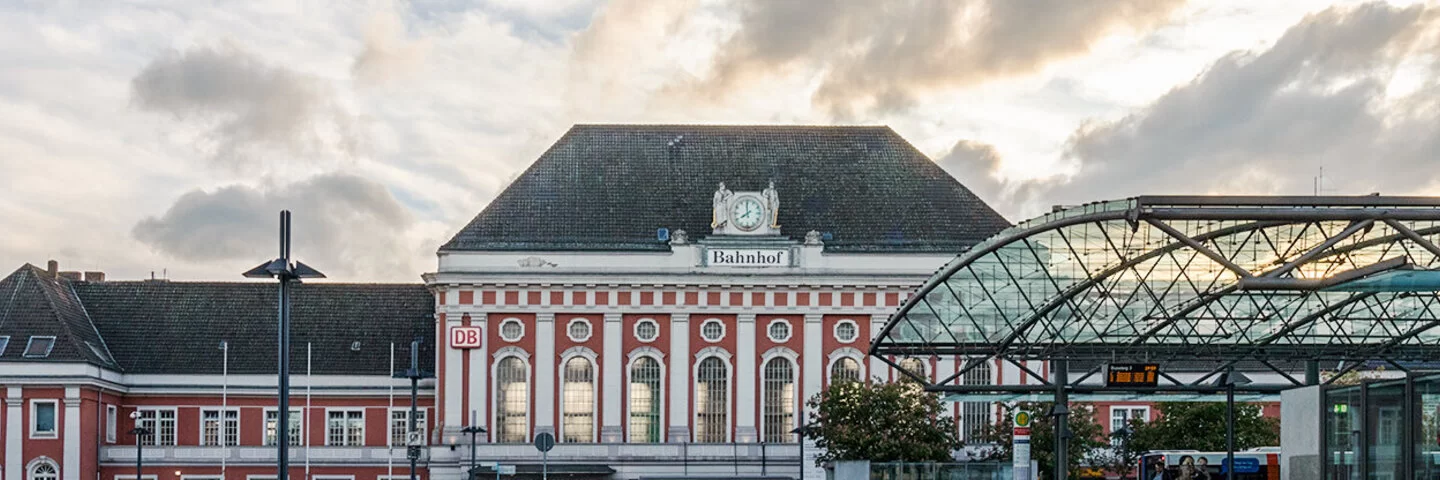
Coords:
4,342
110,422
345,428
42,418
272,419
161,423
39,347
1120,417
400,425
219,428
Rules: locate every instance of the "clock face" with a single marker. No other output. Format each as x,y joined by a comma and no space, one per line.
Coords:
747,213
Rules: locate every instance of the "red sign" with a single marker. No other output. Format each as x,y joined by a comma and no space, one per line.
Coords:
1022,431
465,337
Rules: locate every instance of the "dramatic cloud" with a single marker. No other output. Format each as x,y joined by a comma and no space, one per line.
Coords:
884,55
977,166
254,107
345,225
1353,90
388,53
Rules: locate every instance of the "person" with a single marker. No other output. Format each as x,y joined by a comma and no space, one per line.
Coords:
1202,470
1187,468
1159,468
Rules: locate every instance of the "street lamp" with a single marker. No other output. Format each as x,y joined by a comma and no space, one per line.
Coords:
283,270
473,430
803,431
139,432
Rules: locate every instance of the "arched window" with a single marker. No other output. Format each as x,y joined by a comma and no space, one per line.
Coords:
975,415
645,401
578,394
779,406
44,470
913,365
845,369
512,383
712,402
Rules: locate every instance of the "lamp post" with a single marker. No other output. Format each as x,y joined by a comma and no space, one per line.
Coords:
1229,380
283,270
473,430
803,431
139,432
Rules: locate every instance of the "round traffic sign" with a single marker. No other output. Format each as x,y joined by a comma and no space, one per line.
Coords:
544,442
1022,419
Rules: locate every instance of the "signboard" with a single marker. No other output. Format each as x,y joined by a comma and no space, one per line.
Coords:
747,257
465,337
808,470
504,469
1020,449
1243,465
412,453
415,438
1132,375
544,442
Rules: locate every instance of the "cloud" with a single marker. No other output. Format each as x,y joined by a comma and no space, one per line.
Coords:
344,225
388,54
250,107
977,165
884,56
1353,90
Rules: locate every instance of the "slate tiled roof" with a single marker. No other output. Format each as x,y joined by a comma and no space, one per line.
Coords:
610,187
177,327
35,304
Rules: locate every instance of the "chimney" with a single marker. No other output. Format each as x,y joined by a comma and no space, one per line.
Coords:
53,268
71,276
95,277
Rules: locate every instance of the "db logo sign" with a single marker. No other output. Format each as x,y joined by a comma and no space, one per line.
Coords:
465,337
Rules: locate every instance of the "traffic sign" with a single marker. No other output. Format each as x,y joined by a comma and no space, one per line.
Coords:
1022,419
544,441
415,438
412,453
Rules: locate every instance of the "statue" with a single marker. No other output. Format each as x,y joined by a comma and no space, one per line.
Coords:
721,207
678,237
813,238
772,204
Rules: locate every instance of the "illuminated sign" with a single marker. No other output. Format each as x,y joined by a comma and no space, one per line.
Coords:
1132,375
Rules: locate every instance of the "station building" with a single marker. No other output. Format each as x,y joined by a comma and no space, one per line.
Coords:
661,299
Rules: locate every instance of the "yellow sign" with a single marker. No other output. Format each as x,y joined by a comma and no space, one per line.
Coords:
1022,419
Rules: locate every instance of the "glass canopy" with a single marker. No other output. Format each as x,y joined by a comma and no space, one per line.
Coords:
1202,277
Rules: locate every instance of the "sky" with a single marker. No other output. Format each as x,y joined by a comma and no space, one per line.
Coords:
164,136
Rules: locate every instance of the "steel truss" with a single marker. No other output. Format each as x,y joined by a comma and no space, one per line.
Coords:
1259,280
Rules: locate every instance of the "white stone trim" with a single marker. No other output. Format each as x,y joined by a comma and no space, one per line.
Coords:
510,351
71,469
56,422
797,410
545,378
581,351
835,330
723,329
730,406
200,427
789,330
812,363
609,417
509,320
595,375
745,379
40,460
14,432
328,410
475,371
679,384
635,330
844,352
589,329
530,380
659,357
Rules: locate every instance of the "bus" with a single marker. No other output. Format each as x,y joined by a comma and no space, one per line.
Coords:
1256,464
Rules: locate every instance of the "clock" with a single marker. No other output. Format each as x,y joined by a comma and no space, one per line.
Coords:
747,213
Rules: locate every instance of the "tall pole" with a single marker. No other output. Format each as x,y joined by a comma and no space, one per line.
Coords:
1229,425
139,453
1062,407
414,396
282,443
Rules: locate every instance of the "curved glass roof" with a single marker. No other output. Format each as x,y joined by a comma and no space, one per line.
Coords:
1203,277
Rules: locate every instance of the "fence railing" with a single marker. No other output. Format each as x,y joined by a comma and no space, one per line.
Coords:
941,471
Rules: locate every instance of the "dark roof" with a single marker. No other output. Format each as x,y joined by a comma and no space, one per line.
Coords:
177,327
35,304
610,187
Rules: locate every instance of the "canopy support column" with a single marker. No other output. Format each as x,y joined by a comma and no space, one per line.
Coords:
1061,412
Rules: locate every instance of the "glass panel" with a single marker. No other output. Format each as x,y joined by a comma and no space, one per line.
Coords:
44,417
578,393
645,401
845,369
1427,441
712,402
1385,410
1342,423
513,380
779,407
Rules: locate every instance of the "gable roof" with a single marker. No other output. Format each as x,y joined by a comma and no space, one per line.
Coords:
177,327
35,304
610,187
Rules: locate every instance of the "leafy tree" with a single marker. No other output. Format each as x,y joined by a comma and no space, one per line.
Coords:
881,422
1201,426
1085,437
1124,453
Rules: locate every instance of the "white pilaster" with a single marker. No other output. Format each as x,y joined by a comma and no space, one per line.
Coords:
812,360
745,378
545,373
478,373
454,380
944,367
610,430
680,377
70,467
14,433
878,368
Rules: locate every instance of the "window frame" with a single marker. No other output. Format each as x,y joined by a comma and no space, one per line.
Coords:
765,388
658,400
1129,415
112,423
297,415
644,321
789,330
4,343
31,341
54,420
42,461
422,422
859,369
709,321
527,385
835,330
507,338
224,442
345,426
594,397
589,329
729,404
155,429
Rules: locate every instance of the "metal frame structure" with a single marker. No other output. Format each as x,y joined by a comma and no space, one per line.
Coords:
1266,281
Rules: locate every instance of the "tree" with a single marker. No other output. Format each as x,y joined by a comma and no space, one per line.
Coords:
1085,436
1201,426
1124,453
882,422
